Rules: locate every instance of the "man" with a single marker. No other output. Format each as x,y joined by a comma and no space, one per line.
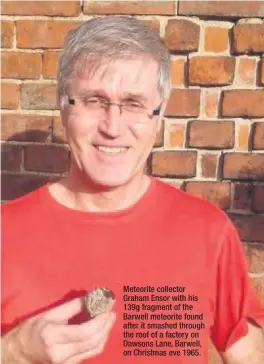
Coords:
107,224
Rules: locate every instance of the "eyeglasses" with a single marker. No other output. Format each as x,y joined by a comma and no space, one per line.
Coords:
98,107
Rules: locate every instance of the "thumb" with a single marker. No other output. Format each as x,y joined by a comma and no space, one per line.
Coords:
65,311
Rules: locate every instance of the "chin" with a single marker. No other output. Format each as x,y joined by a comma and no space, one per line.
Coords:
110,180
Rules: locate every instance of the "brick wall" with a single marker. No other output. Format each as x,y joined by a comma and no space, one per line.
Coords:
212,143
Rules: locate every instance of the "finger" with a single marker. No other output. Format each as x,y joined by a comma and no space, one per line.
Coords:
73,333
87,354
65,311
93,342
58,353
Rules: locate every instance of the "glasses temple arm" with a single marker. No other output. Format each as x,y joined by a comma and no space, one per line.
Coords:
157,110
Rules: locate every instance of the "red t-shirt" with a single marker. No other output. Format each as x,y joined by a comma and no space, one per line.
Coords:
174,258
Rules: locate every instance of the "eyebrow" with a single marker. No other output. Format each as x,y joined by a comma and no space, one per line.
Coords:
138,96
89,92
101,92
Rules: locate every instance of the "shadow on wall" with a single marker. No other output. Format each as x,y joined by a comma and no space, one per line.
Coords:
29,160
33,158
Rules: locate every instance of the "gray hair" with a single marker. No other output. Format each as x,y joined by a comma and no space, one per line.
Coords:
113,38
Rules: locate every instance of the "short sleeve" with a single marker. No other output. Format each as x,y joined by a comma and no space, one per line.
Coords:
236,300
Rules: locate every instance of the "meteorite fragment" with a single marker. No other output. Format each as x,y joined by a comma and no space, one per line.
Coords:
98,300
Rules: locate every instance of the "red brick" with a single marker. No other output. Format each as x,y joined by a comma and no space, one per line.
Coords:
176,135
258,198
182,35
216,39
246,71
11,157
160,137
255,257
258,136
262,72
248,38
243,166
243,103
184,103
243,137
50,64
7,31
242,196
10,95
46,158
49,8
211,134
43,33
130,7
177,72
21,65
211,70
217,192
211,103
209,165
38,96
221,8
16,185
29,128
174,164
250,227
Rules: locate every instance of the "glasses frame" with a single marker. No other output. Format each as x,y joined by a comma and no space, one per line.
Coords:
154,112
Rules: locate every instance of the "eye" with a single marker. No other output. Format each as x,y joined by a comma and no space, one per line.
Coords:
132,104
93,101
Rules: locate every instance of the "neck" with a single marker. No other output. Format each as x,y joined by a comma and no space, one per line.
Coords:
81,194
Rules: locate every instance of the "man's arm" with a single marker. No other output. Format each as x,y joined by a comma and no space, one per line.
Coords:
248,350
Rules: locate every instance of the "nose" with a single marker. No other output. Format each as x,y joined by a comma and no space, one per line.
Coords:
111,124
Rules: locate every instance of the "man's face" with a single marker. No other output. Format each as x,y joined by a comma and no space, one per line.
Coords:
111,148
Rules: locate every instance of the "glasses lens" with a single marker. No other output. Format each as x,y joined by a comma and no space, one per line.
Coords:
129,112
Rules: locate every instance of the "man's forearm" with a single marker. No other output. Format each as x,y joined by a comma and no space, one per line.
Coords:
249,349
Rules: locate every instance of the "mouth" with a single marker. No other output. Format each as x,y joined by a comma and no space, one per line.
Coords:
112,151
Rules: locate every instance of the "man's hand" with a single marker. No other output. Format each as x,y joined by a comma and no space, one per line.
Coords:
47,337
248,350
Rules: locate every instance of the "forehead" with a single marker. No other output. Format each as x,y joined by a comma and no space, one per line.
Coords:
138,75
